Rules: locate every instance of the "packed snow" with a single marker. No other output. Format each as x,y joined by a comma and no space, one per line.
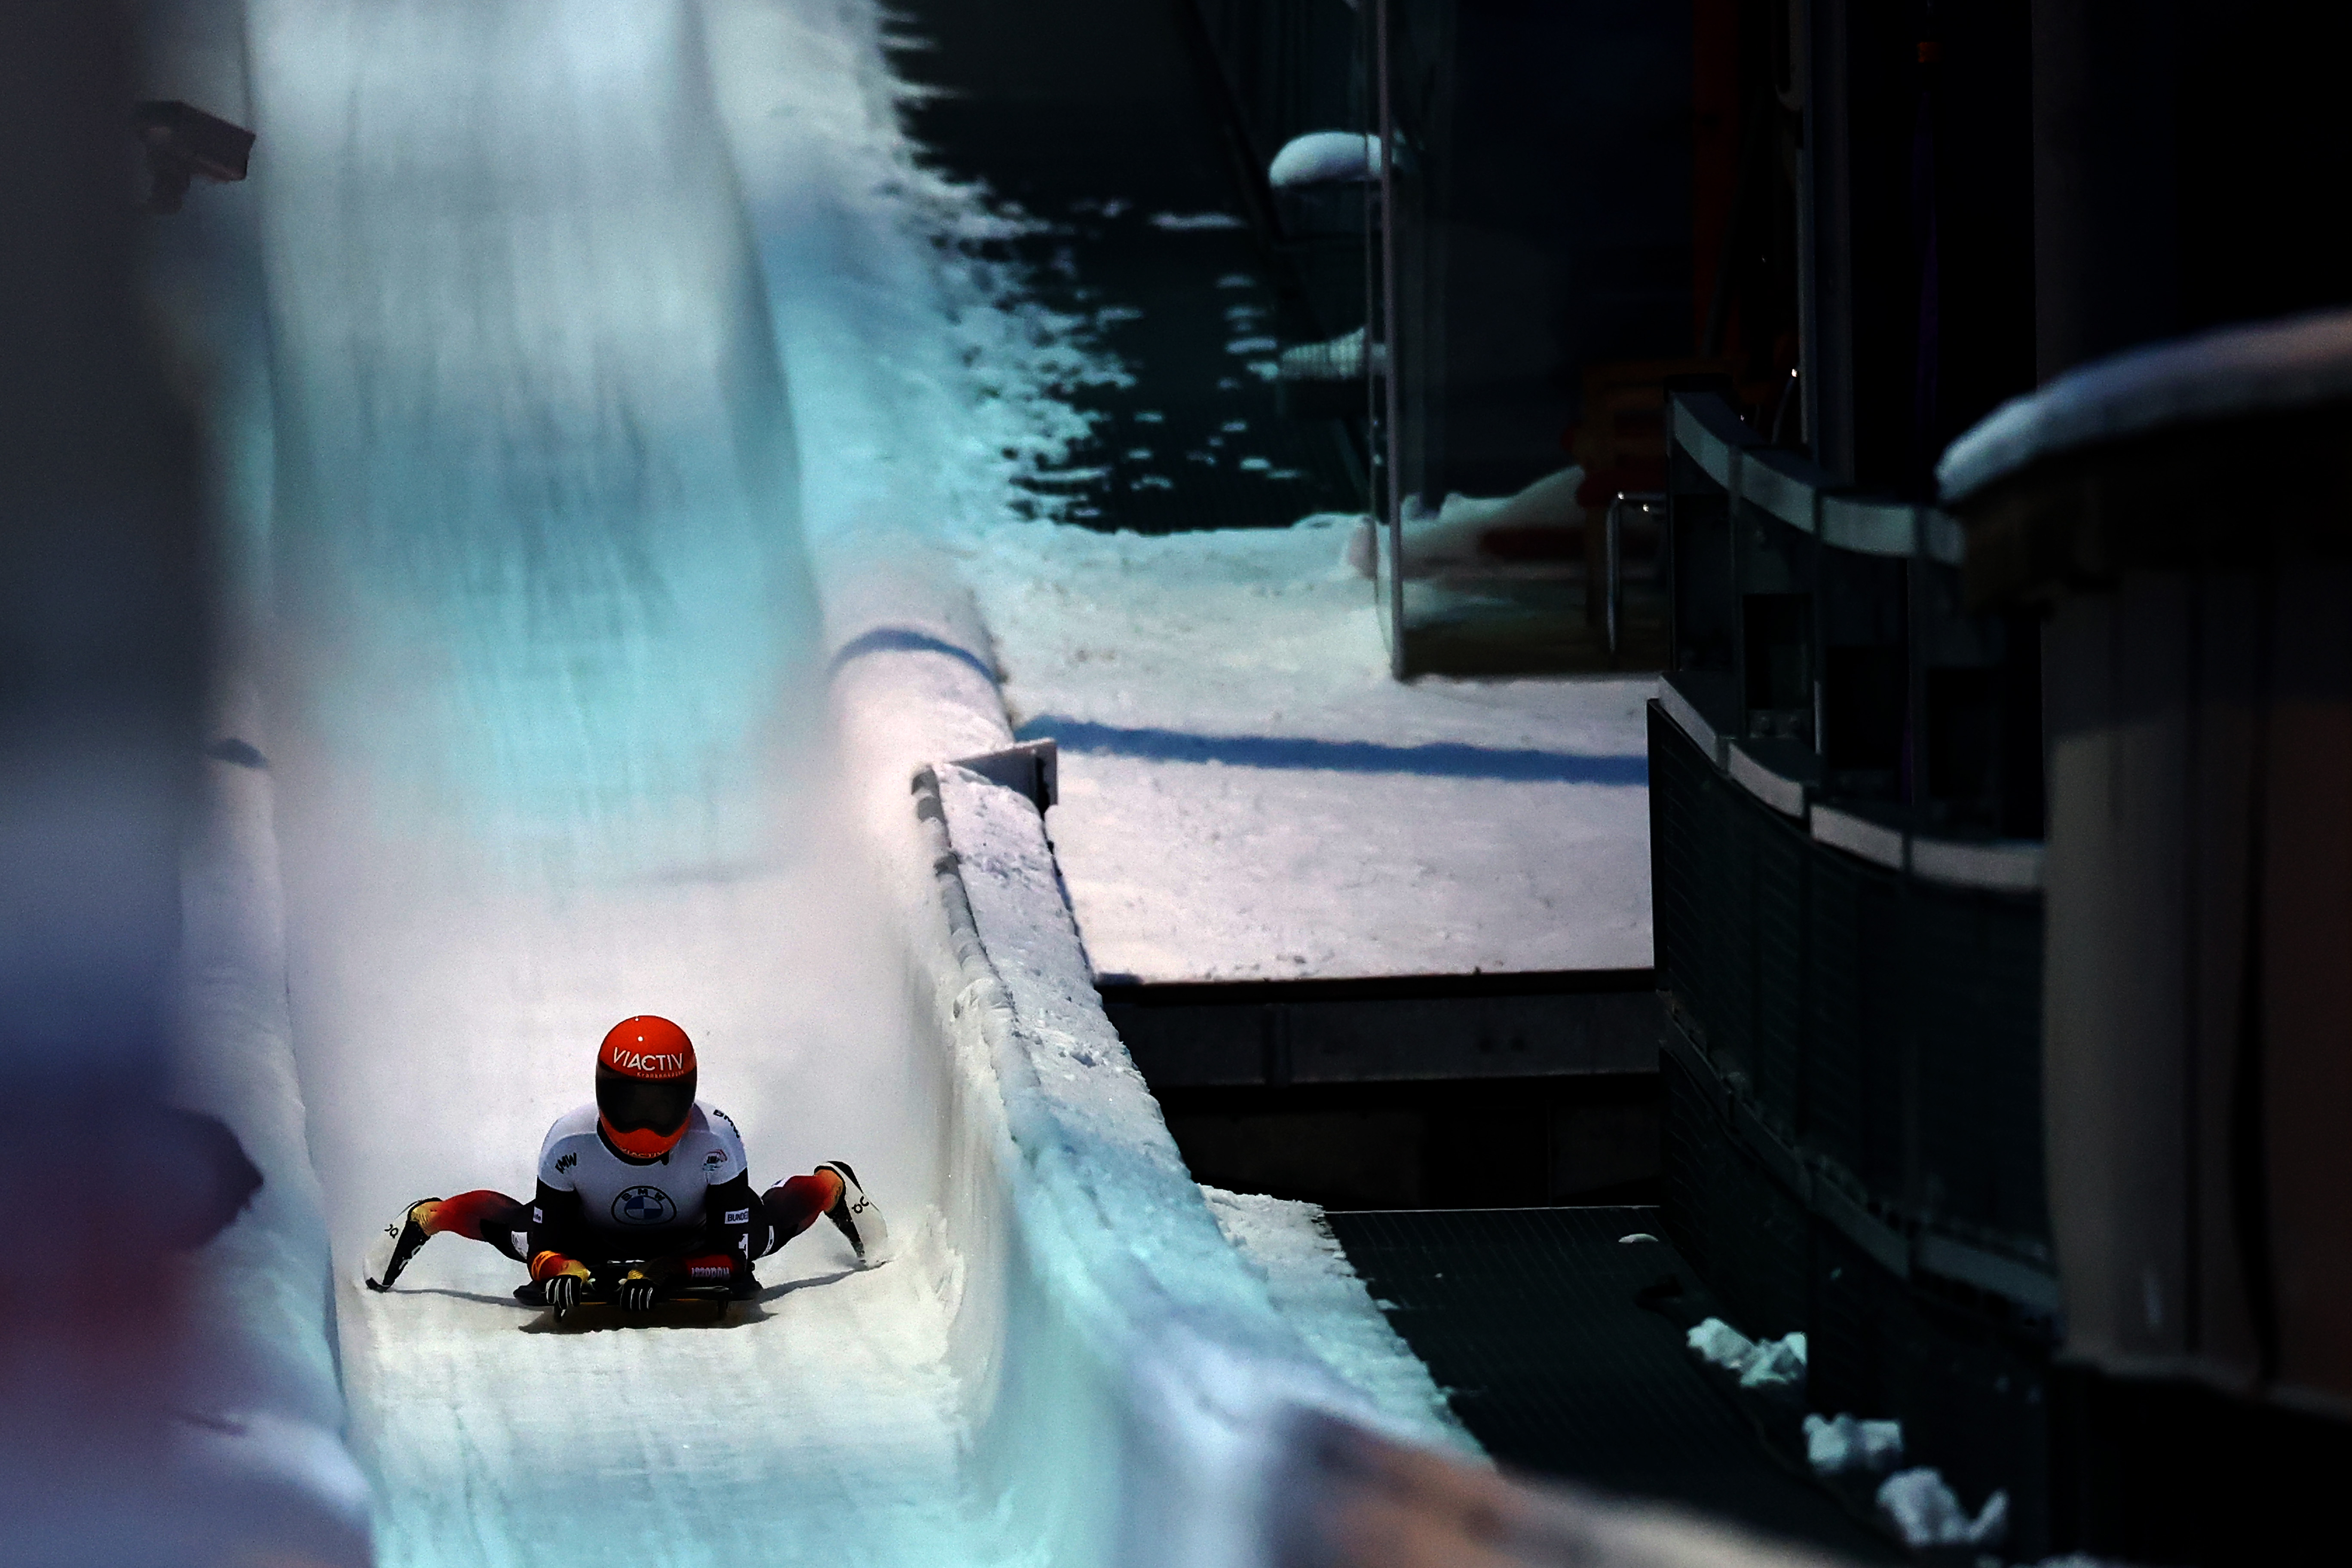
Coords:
1247,795
1532,531
495,1437
1315,1286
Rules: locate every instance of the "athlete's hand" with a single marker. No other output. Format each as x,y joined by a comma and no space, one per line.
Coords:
636,1292
561,1292
561,1281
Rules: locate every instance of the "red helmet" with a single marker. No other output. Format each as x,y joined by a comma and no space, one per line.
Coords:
645,1086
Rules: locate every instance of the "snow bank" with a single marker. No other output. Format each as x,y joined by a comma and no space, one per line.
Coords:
1316,1290
1534,531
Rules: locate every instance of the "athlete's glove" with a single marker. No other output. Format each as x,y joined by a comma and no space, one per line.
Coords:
637,1290
561,1281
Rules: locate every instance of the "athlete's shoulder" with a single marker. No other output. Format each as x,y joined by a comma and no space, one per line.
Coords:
712,1143
559,1155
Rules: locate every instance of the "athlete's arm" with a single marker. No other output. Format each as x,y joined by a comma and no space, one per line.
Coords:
556,1223
727,1222
558,1227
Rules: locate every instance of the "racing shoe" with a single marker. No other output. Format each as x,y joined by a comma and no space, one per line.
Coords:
855,1216
400,1241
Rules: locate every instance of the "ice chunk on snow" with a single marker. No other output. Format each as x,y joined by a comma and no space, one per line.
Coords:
1779,1364
1837,1446
1925,1512
1324,157
1773,1363
1726,1347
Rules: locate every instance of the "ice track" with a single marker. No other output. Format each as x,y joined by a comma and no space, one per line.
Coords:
545,726
816,1432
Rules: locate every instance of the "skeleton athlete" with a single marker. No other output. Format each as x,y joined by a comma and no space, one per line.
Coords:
642,1195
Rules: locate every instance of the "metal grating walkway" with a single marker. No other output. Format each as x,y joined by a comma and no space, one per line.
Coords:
1528,1317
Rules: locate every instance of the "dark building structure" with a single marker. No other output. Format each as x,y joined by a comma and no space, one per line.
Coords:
1874,905
1770,261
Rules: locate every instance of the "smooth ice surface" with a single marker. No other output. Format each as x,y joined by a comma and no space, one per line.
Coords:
1247,795
809,1428
545,717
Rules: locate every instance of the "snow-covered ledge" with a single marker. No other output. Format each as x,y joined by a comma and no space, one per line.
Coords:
1183,1363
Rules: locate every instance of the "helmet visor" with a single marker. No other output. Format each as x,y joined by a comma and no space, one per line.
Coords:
642,1104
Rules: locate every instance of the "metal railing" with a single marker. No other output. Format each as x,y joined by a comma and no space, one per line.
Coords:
1613,551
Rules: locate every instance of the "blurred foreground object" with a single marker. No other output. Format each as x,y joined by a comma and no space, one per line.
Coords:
101,667
182,141
2183,514
1367,1502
